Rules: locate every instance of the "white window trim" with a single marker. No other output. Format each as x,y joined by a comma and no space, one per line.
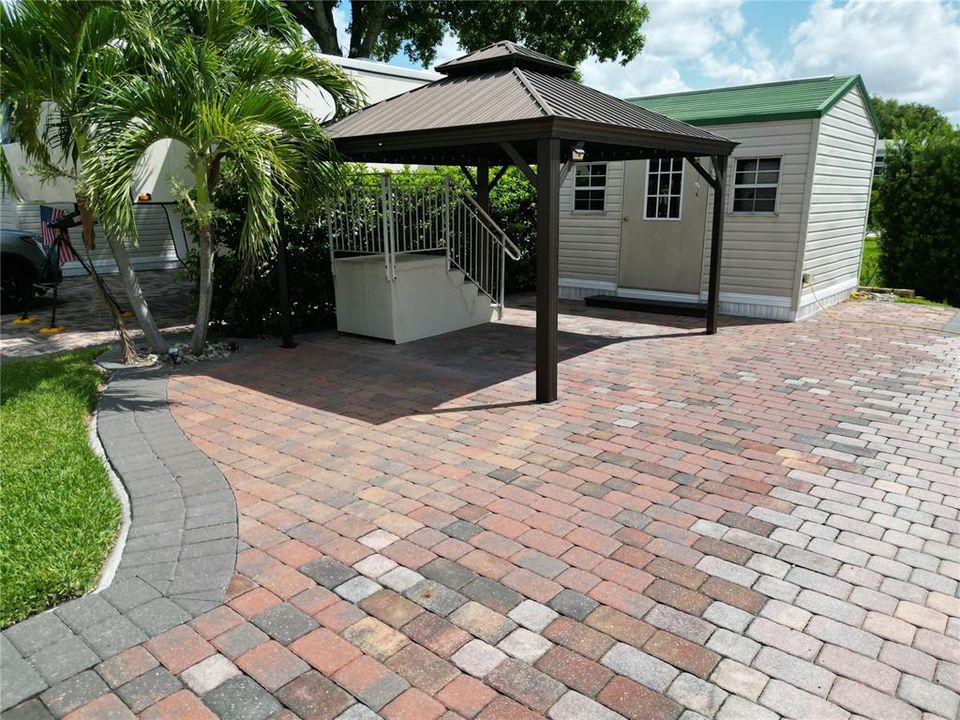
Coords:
733,187
573,197
646,194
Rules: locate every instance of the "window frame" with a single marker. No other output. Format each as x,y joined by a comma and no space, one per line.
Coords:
646,191
777,185
573,197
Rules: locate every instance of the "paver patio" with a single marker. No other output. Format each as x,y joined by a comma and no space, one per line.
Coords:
757,524
85,320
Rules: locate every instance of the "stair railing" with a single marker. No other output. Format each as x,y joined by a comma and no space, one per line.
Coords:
411,216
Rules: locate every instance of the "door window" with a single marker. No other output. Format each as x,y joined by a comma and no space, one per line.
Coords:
664,189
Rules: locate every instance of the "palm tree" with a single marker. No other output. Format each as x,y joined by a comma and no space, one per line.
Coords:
54,58
222,82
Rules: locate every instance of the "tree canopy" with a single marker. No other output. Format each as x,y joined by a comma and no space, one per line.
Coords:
569,30
898,118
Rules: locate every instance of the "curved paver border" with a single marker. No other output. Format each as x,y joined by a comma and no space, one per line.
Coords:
179,557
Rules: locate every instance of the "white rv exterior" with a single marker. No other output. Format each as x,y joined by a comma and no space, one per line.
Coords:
163,243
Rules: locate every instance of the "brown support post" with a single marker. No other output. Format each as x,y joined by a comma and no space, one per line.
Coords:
548,266
483,184
716,243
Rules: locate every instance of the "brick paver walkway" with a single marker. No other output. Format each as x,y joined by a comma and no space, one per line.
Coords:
86,321
759,524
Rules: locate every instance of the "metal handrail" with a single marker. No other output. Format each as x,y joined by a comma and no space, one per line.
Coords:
512,250
395,219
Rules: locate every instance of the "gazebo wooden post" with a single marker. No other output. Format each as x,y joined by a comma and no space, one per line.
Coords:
483,184
716,243
548,266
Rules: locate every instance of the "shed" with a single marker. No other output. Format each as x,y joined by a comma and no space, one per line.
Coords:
507,105
798,192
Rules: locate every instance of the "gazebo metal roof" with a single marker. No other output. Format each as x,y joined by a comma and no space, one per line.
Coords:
507,105
508,93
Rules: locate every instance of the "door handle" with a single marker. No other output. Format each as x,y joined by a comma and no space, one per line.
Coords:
626,218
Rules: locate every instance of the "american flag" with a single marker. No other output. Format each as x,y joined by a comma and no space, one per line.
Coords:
48,235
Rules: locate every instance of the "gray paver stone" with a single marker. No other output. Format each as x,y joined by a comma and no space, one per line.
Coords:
328,572
929,696
20,681
435,597
64,659
113,636
573,604
241,698
74,692
698,695
157,616
31,710
636,665
149,688
37,632
574,706
284,623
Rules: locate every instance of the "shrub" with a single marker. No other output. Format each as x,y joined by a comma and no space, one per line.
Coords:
918,215
247,305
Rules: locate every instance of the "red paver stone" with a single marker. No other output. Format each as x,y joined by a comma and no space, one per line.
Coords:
179,648
255,602
271,665
216,622
578,637
636,702
105,707
182,705
619,625
324,650
503,708
466,696
574,670
422,669
433,632
126,666
682,653
413,704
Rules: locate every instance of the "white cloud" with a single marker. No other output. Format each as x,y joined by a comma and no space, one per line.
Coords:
907,50
678,34
448,49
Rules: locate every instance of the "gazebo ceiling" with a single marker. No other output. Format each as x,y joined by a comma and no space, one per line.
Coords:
505,93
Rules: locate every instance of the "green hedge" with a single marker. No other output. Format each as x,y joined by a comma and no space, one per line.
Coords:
918,215
246,305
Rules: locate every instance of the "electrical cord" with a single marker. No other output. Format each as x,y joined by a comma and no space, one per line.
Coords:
826,311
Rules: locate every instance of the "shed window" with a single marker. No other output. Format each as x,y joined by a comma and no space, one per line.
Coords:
590,186
755,185
664,189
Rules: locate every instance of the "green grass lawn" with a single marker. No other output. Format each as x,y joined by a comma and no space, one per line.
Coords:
870,275
58,513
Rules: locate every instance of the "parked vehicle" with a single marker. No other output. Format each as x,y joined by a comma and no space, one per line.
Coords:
23,264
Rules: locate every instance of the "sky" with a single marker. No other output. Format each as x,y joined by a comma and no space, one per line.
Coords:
904,49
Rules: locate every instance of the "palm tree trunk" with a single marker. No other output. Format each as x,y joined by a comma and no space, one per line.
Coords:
135,296
206,290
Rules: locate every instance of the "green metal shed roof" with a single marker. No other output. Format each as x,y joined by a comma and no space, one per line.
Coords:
787,100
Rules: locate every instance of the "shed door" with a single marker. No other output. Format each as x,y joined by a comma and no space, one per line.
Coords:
664,216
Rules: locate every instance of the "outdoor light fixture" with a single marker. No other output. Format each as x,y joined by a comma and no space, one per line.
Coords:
144,197
577,154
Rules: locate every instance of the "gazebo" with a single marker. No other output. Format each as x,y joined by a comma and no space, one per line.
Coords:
507,105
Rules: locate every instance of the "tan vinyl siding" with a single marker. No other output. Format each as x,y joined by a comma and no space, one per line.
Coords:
590,241
840,196
760,252
155,250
